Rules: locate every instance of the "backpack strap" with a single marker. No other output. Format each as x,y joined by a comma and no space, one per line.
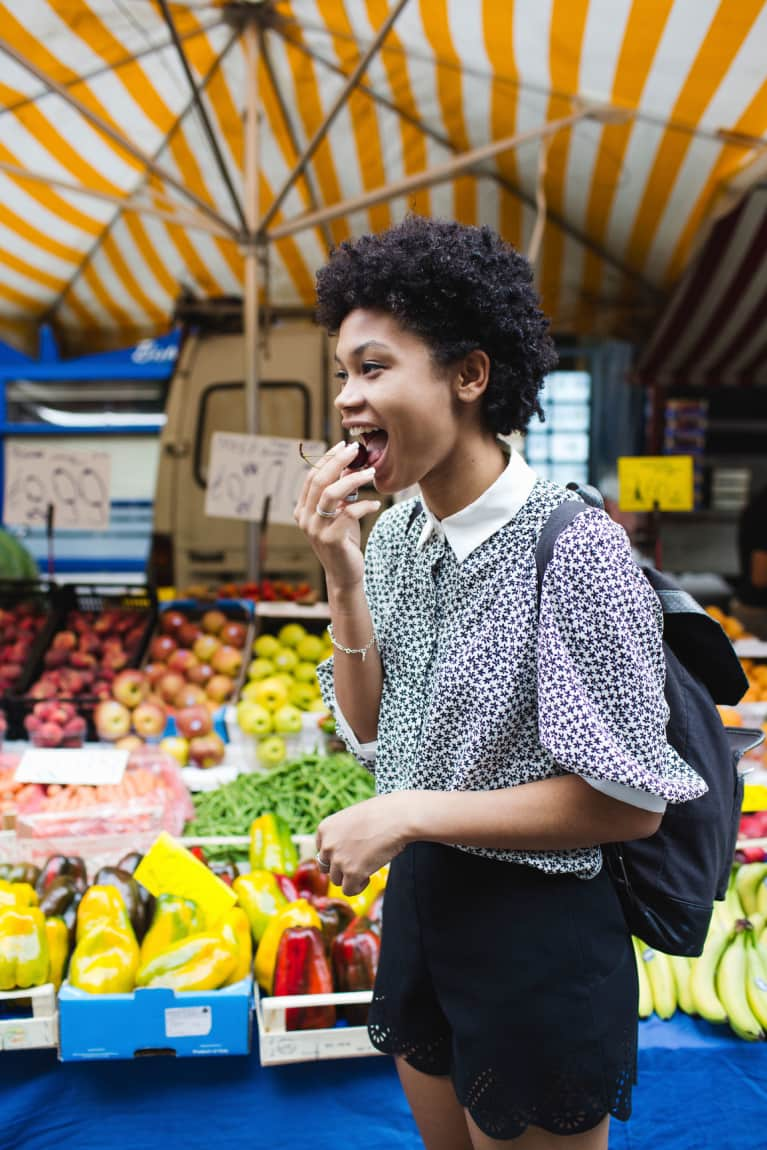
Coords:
560,518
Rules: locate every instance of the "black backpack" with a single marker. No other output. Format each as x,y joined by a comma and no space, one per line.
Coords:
667,883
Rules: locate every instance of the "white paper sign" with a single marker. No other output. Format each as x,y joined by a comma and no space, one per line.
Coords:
75,482
245,470
67,766
188,1021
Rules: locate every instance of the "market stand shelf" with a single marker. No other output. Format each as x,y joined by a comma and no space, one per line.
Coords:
29,1018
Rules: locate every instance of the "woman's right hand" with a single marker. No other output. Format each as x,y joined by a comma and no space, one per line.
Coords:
335,537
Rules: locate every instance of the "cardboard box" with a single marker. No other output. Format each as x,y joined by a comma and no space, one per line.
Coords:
155,1021
28,1018
278,1045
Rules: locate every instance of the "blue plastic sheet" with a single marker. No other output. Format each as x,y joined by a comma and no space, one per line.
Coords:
699,1088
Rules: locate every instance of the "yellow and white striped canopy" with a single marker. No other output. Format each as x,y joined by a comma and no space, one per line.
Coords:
118,189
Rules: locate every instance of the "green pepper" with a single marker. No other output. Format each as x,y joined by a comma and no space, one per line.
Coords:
259,895
57,866
123,881
271,846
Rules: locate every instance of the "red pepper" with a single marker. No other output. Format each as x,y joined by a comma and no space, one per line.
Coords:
355,962
288,887
335,915
309,879
225,869
199,853
302,968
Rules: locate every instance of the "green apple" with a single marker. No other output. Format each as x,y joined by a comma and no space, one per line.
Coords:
286,659
260,668
285,678
287,720
270,693
291,634
271,751
305,672
250,691
302,695
310,648
265,646
253,718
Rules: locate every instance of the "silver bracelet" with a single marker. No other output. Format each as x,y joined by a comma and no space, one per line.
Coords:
351,650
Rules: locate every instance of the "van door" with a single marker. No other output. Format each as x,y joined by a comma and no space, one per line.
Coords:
208,395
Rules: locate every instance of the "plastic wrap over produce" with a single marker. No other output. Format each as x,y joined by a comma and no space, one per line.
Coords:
150,797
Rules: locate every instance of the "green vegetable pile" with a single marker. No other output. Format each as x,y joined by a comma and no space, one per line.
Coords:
303,791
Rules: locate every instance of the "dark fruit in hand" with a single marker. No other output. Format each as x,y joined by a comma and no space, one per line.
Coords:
360,459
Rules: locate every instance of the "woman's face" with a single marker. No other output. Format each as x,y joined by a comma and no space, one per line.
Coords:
390,391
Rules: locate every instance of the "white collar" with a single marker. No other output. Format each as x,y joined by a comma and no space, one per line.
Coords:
468,528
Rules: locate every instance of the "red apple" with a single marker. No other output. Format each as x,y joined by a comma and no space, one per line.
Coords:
207,750
73,732
171,621
161,648
200,674
170,685
193,722
219,688
183,660
65,641
154,672
234,634
212,622
205,647
190,695
227,661
130,687
149,720
112,720
55,657
187,634
47,735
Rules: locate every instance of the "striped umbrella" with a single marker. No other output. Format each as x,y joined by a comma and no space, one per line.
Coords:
150,147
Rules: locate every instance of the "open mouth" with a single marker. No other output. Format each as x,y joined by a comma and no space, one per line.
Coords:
372,445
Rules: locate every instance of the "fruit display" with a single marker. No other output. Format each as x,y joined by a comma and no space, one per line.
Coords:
281,685
303,791
54,724
21,624
728,981
258,591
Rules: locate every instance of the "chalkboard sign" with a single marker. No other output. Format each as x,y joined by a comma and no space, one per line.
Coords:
75,483
246,470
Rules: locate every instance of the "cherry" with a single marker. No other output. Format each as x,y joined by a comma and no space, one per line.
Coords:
360,459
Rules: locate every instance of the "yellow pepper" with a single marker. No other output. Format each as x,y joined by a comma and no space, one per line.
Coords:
102,905
174,918
199,962
298,913
362,902
236,929
23,948
105,960
58,948
271,845
17,894
260,897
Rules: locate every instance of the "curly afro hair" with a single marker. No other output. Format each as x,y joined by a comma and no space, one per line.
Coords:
459,288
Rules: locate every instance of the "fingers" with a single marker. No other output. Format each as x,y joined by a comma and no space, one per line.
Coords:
330,862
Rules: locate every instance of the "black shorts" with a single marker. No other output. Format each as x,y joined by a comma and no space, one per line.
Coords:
519,985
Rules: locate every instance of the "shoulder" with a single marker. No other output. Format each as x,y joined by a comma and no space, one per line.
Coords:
394,527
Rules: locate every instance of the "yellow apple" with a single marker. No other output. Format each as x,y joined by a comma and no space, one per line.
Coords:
265,646
253,718
271,751
302,695
260,668
177,747
305,673
310,648
287,720
270,693
291,634
286,659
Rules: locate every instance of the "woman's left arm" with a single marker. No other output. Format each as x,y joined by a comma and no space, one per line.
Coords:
562,813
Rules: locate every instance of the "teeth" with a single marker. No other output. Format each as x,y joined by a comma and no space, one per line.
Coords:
358,432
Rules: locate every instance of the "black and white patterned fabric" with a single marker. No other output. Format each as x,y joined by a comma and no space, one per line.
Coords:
479,693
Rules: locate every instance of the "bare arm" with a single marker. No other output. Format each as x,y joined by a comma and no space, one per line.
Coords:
552,814
357,682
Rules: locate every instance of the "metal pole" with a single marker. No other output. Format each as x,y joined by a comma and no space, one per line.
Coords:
250,301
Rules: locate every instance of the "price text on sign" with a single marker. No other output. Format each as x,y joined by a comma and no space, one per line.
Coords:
70,767
655,483
245,470
75,482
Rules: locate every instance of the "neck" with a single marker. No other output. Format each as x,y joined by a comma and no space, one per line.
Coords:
466,473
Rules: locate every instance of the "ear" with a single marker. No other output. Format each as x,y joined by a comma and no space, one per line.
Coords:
473,376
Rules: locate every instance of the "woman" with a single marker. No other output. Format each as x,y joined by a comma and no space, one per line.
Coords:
508,738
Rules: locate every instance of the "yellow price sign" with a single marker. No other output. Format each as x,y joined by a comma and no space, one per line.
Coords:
169,868
655,483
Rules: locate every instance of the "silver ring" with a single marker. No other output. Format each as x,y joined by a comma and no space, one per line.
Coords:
327,514
322,863
352,497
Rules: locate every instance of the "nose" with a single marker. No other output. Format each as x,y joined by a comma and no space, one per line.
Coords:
350,395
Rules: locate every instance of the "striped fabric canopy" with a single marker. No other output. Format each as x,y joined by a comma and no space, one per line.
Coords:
596,135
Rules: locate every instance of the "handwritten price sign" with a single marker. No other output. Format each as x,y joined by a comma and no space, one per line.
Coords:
75,482
246,470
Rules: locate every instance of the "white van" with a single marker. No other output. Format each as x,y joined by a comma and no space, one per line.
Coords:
207,394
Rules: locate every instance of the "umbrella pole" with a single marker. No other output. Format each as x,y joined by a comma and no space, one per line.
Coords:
250,301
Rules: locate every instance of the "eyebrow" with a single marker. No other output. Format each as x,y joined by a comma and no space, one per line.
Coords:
363,347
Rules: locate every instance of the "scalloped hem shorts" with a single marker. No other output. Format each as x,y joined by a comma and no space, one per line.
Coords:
520,986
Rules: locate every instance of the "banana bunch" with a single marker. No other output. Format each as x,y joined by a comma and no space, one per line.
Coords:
728,981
